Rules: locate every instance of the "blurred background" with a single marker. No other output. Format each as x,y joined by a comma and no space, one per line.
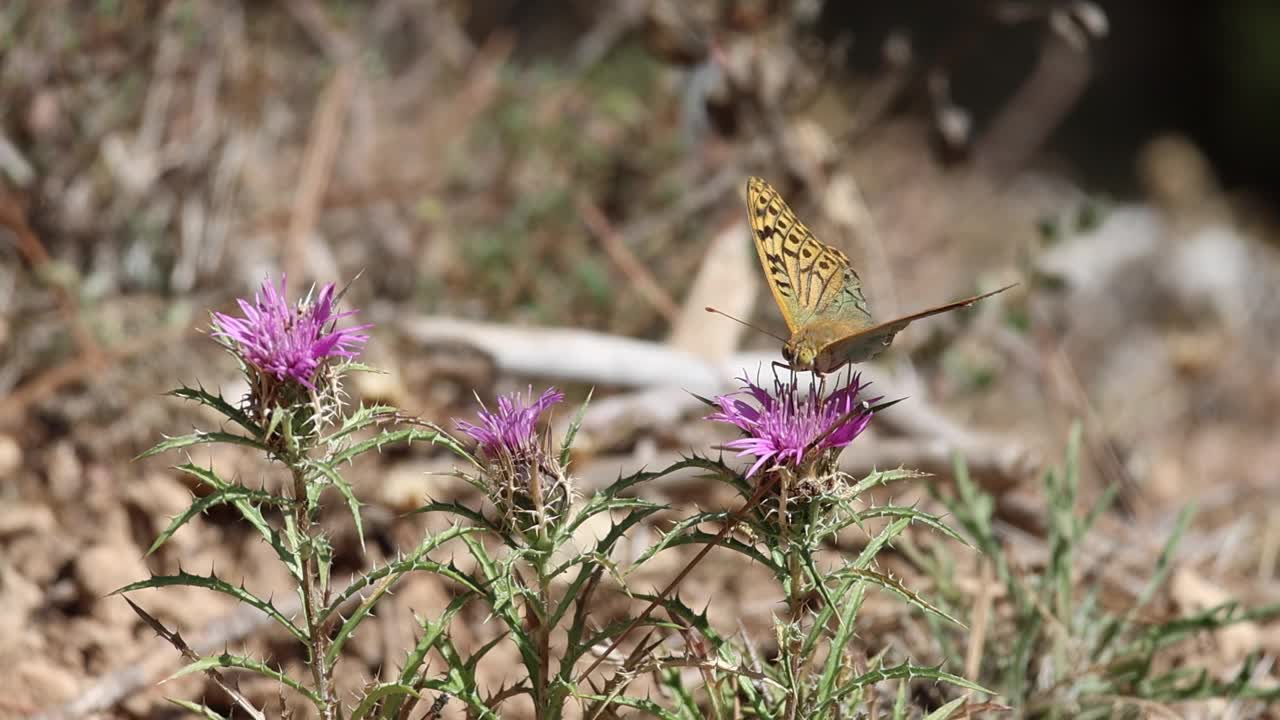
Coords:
533,192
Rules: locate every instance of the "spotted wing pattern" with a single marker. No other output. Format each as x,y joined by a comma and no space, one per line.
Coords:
809,279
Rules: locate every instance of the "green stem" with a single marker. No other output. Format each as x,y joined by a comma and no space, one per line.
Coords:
795,600
545,711
321,673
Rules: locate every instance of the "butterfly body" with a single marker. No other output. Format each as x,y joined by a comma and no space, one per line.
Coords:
804,350
818,291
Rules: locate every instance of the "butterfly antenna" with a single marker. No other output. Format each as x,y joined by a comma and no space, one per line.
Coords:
744,322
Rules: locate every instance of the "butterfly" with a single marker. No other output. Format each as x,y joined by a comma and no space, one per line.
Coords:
817,290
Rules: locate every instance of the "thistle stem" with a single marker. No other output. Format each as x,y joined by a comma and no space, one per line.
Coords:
543,684
311,600
795,598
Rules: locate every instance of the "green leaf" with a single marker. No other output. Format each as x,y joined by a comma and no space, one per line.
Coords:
498,591
459,682
383,691
345,489
216,584
200,437
905,671
640,509
912,514
601,503
280,417
835,662
879,542
460,510
407,436
361,418
1208,620
390,576
643,704
684,533
253,516
396,569
227,660
202,710
900,705
433,630
221,496
884,477
219,404
566,446
946,711
1113,627
895,586
714,469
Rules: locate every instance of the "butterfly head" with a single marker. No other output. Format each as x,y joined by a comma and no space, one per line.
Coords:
800,354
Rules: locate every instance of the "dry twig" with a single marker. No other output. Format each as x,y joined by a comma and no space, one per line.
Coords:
317,169
620,253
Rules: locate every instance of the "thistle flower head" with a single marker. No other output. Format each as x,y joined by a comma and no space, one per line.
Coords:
524,478
787,427
289,343
512,429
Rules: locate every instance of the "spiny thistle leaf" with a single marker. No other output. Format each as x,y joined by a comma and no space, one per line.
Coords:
644,704
474,661
227,660
383,691
460,510
199,709
684,533
946,711
604,546
231,494
697,537
570,434
500,595
392,574
433,630
408,436
895,511
398,568
361,418
201,437
879,542
476,704
1207,620
219,404
845,607
714,469
213,582
884,477
601,503
345,489
905,671
895,586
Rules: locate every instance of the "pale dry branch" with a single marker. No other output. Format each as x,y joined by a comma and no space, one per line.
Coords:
667,377
317,169
1058,80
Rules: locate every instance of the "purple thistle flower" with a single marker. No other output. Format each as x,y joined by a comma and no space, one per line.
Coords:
512,429
786,428
289,343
